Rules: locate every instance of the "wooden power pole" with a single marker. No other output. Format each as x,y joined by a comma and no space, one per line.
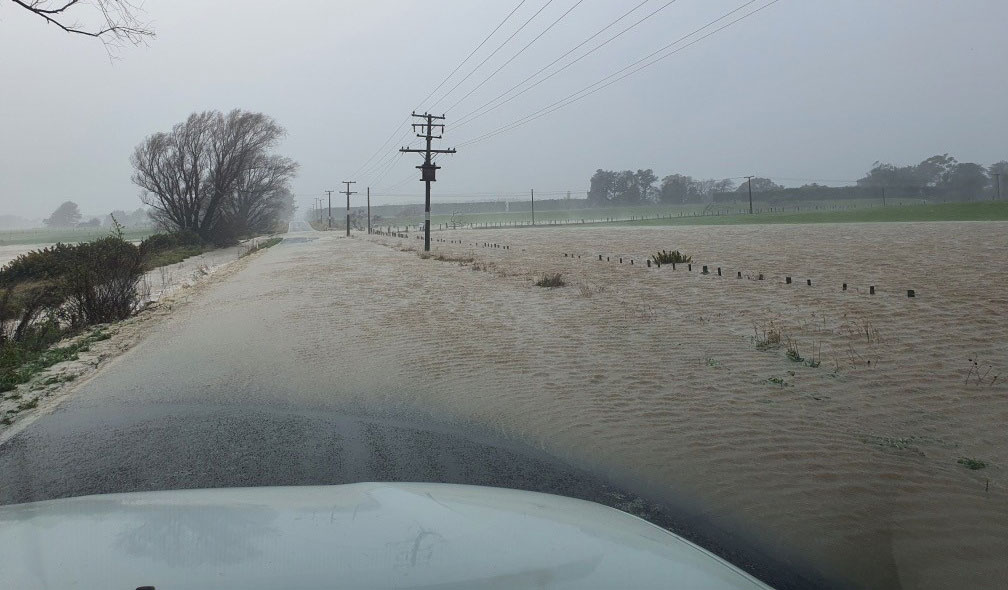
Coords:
368,209
749,179
347,193
330,208
428,170
997,180
532,192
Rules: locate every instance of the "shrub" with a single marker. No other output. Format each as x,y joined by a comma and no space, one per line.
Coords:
102,285
87,283
675,257
158,243
163,249
551,280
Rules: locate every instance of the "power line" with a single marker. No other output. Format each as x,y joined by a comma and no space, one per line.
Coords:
515,56
438,87
471,53
499,47
590,89
468,117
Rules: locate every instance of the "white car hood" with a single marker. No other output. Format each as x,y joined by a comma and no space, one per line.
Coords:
368,535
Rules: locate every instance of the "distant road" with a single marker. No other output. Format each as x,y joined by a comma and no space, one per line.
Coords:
297,226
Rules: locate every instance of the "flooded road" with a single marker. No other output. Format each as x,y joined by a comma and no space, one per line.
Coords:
327,360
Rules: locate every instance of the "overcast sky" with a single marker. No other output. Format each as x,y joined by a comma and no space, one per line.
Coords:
805,89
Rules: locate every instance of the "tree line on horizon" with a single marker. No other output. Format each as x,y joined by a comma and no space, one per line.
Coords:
940,176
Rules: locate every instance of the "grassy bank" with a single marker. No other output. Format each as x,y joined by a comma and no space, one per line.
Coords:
19,363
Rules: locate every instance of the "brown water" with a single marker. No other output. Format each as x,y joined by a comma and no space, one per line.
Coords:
652,376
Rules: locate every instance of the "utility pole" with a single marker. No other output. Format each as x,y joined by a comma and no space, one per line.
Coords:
997,180
368,209
749,178
348,193
533,205
330,208
883,196
428,170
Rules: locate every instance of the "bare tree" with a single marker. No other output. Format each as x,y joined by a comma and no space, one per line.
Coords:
114,22
262,197
213,174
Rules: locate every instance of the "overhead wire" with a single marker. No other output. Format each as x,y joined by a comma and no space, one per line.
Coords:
471,53
465,119
493,53
515,56
612,78
438,87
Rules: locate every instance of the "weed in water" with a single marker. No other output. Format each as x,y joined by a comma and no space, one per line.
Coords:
980,373
673,257
792,351
766,336
550,280
971,463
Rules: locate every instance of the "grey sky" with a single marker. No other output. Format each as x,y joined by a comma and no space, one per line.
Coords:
804,89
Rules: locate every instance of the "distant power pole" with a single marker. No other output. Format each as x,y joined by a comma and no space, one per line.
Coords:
428,170
749,178
883,196
368,209
330,208
532,191
997,181
347,193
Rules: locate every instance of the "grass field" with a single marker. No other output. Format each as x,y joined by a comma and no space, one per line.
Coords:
984,211
69,236
816,212
692,213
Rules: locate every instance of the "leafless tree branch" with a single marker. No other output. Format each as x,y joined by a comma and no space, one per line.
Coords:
114,22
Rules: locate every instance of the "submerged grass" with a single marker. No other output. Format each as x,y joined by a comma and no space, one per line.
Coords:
20,361
971,463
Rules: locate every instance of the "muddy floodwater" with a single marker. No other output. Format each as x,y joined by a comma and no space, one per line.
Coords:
856,435
852,451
